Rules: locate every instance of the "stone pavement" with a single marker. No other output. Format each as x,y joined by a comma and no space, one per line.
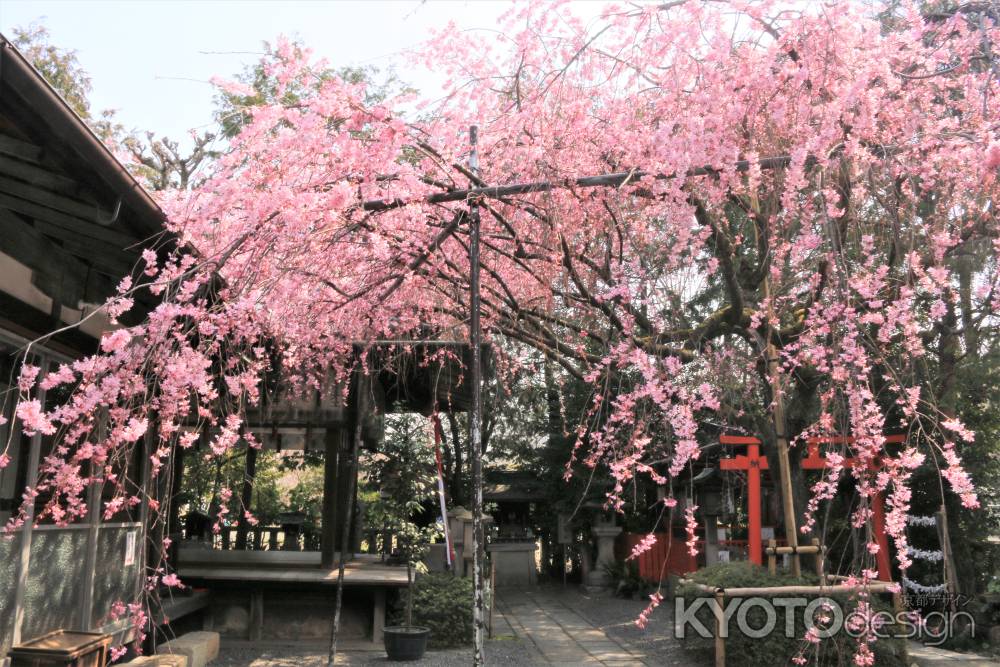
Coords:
926,656
559,634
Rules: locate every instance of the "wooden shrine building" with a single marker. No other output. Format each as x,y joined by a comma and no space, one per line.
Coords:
73,223
263,591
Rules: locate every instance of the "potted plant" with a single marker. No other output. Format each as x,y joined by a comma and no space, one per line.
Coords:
408,642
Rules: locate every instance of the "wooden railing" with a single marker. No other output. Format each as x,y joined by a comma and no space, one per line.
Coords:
262,538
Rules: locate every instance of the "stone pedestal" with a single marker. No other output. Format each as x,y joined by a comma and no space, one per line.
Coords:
604,535
514,563
711,539
460,528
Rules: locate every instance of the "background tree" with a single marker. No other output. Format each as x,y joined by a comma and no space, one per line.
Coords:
160,163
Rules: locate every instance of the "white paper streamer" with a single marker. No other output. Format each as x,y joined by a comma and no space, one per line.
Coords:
925,555
921,520
924,590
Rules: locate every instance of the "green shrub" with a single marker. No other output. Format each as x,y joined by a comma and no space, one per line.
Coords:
626,580
443,603
775,648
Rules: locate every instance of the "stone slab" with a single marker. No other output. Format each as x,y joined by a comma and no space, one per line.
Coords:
200,648
172,660
927,656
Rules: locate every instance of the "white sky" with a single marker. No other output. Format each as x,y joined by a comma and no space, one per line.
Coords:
151,59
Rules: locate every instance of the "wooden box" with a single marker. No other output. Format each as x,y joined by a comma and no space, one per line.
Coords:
63,648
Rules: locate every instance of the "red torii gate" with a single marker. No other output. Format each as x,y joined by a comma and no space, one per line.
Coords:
753,462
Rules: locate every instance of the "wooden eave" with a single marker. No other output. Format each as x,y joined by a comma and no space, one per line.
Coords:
69,210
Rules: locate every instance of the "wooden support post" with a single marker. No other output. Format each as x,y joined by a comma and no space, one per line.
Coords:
90,562
493,593
720,640
820,570
357,408
753,500
256,629
878,528
784,465
178,455
772,557
246,497
780,434
328,531
899,607
950,580
378,615
34,455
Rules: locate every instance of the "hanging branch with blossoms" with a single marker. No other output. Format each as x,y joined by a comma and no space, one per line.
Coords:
789,180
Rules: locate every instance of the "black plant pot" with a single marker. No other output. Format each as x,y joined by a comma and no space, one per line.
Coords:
406,642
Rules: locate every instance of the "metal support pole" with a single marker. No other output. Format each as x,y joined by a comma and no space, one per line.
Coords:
476,415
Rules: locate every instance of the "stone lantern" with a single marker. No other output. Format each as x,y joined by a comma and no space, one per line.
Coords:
604,532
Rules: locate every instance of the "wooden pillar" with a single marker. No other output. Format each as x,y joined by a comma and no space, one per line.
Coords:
878,527
328,535
950,578
256,629
90,562
820,561
246,497
720,640
176,486
772,557
34,454
753,504
781,435
899,608
378,615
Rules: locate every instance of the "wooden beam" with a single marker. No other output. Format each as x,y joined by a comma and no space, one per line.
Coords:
38,175
62,227
58,274
72,222
22,150
101,246
55,201
104,257
28,322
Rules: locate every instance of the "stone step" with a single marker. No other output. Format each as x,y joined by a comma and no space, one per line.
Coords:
200,648
172,660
